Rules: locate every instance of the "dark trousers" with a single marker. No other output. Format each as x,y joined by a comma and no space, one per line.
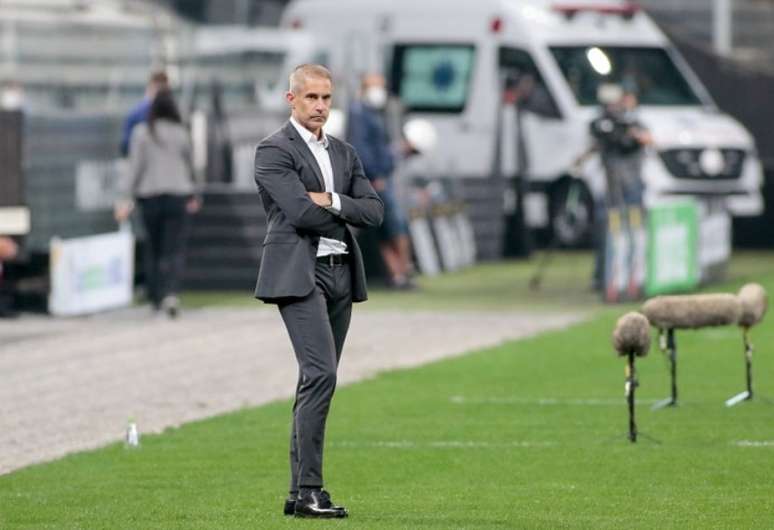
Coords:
166,225
6,295
317,325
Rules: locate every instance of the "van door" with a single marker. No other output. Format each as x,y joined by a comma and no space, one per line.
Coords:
545,131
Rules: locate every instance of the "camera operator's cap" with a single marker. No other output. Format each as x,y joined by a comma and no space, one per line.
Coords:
609,93
336,124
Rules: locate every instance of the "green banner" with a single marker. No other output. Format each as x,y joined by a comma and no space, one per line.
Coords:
673,247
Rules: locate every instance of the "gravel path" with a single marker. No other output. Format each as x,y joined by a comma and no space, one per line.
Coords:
71,384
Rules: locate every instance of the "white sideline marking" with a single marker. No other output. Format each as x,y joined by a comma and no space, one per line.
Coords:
752,443
462,400
441,444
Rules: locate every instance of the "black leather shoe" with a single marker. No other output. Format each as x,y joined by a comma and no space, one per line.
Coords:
317,503
290,505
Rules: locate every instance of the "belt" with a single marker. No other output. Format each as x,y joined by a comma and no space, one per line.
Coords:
334,259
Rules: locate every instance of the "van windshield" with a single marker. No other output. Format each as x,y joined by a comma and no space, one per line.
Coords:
649,71
432,78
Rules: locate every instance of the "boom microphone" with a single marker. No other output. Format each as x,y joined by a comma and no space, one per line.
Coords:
632,335
753,299
693,311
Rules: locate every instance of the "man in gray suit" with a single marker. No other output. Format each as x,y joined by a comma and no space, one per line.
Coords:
313,188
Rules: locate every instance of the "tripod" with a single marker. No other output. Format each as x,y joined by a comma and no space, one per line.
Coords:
574,215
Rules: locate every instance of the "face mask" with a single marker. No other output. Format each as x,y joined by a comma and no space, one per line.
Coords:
376,96
12,99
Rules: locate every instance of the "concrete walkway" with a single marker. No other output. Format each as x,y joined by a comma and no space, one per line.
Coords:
68,385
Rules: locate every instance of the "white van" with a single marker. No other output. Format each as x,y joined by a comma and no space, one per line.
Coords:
446,59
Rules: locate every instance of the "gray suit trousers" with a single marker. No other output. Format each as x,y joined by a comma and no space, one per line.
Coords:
317,325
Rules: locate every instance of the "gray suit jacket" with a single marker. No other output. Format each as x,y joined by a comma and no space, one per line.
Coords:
285,170
159,165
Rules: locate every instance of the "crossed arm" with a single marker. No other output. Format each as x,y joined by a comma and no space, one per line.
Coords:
275,173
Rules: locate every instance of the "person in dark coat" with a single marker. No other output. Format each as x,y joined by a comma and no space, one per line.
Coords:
367,131
313,189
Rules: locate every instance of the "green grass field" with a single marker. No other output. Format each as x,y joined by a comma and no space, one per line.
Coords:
530,434
501,285
493,286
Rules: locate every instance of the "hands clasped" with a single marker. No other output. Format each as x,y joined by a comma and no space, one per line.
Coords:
322,199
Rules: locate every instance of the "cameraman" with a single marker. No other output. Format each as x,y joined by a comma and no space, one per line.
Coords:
620,139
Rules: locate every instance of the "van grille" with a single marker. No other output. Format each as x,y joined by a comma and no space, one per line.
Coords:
685,164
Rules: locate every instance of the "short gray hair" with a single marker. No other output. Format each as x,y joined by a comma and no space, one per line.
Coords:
301,73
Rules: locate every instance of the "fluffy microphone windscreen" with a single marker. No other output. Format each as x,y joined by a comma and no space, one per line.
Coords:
632,334
693,311
754,302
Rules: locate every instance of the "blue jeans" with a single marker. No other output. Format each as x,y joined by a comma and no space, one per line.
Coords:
394,223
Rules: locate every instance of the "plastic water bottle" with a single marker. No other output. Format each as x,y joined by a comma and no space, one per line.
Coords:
132,435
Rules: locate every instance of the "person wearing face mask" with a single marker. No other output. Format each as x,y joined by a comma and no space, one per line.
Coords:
367,132
12,97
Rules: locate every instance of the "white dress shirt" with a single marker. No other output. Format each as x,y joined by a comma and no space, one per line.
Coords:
319,148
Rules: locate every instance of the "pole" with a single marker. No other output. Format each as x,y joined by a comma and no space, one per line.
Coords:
517,239
721,27
673,363
631,384
748,351
523,238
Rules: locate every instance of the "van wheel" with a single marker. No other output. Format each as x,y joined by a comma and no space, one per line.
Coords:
572,213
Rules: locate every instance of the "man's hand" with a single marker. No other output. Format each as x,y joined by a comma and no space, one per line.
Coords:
322,199
379,184
122,210
193,205
8,248
643,136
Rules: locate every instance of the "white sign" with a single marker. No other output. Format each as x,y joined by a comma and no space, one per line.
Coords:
448,243
96,183
14,220
673,260
715,239
424,247
467,239
91,274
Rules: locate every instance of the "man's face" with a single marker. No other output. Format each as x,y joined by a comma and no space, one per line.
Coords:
374,80
629,101
311,103
153,89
